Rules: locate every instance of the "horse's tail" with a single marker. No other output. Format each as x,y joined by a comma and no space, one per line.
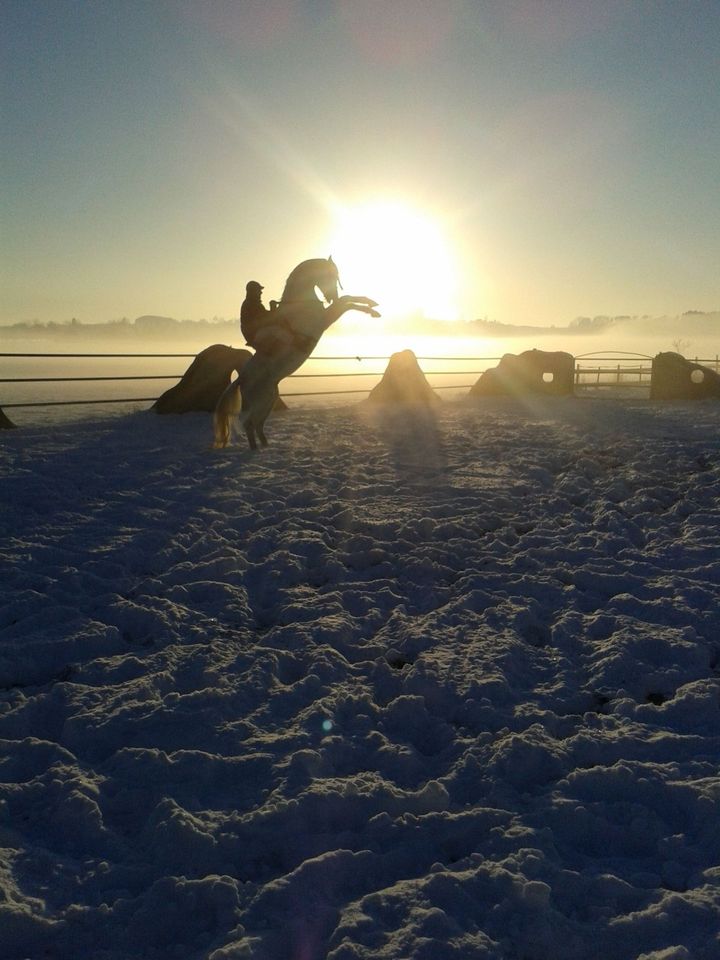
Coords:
221,428
227,407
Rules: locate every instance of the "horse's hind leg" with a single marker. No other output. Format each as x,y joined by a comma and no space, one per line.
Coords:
247,421
250,434
264,413
248,416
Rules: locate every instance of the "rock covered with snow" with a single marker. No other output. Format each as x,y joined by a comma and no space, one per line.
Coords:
403,384
5,421
543,372
675,378
204,380
428,687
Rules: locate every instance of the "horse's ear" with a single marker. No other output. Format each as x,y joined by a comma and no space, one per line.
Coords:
331,261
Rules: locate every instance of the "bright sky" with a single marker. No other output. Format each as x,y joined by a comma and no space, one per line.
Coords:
525,160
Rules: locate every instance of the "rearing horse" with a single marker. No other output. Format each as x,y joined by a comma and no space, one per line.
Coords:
284,343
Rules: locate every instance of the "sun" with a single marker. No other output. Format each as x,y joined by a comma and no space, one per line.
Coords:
398,255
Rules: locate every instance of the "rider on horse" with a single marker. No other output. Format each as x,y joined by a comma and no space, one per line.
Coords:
253,313
267,331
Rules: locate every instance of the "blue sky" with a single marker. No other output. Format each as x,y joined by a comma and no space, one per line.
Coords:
157,155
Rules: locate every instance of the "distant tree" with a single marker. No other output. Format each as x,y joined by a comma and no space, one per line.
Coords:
680,346
589,324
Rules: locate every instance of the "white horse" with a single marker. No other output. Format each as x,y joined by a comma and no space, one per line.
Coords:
284,342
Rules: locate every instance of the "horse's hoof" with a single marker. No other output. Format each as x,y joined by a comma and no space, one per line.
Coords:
374,313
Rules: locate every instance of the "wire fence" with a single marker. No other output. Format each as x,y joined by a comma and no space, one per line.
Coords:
607,372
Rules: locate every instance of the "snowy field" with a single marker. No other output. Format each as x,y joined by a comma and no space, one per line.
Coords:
407,687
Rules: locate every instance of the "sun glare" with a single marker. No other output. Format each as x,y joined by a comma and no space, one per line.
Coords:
397,255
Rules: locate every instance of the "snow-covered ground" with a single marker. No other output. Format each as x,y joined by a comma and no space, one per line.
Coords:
415,686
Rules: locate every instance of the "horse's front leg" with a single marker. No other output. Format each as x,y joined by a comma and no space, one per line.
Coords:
363,307
355,301
345,303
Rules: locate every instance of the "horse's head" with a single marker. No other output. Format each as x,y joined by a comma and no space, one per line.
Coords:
312,275
329,280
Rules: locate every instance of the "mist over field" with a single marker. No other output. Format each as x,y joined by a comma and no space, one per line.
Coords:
694,333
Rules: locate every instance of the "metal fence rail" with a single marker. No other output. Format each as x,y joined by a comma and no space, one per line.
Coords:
592,372
377,374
